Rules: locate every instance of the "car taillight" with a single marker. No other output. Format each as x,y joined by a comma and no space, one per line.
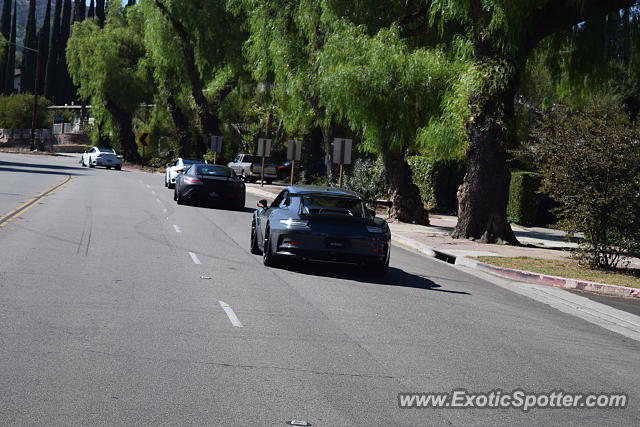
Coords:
191,180
179,171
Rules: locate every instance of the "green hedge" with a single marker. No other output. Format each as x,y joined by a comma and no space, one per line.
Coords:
523,197
438,181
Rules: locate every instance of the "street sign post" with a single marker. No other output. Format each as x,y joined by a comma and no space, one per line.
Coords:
264,150
342,155
294,152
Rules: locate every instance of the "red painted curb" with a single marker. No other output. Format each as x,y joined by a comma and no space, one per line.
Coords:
559,282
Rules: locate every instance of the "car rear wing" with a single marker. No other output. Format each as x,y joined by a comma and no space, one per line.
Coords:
388,204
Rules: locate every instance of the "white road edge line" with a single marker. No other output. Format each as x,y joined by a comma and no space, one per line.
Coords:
175,227
230,314
195,259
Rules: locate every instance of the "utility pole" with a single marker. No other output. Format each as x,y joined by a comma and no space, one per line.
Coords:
35,93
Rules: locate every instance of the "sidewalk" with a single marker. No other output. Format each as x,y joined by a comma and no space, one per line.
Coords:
434,240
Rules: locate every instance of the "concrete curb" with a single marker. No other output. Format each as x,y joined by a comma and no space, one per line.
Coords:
548,280
261,193
509,273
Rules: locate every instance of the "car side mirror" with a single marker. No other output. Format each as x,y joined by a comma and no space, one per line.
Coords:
263,204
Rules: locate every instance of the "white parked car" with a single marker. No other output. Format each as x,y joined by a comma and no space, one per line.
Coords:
98,156
173,169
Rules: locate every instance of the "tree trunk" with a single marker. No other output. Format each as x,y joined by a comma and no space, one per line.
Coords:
180,121
124,121
405,195
484,194
327,141
207,121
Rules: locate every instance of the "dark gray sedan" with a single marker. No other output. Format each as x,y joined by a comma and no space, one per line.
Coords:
321,223
210,184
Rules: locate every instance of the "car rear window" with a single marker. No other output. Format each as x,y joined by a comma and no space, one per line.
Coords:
107,150
192,162
215,170
252,159
316,203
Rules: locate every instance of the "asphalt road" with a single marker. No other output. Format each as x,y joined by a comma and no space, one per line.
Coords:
106,319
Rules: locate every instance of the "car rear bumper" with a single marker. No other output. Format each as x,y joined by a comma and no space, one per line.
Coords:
318,247
204,195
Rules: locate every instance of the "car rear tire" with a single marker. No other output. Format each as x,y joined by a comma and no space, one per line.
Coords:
269,181
91,165
268,258
377,269
118,168
255,249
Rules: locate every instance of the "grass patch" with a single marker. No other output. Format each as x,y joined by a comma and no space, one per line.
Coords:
568,269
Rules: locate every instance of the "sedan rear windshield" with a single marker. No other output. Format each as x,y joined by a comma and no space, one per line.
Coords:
215,170
315,203
192,162
107,150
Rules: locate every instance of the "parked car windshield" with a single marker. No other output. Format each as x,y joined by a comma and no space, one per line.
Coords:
324,203
214,170
252,159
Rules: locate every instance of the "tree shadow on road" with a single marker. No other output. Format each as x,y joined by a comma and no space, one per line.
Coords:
394,277
41,172
36,166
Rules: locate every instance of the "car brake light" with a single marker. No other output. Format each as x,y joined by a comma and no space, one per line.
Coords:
191,180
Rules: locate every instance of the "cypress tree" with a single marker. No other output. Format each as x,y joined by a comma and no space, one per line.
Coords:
30,42
11,61
54,54
83,10
44,54
5,31
92,9
100,12
62,74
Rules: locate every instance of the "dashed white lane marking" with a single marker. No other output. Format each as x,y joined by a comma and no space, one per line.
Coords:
175,227
153,192
194,257
148,186
164,210
158,200
230,314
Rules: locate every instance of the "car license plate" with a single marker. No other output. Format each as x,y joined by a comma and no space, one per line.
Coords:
337,243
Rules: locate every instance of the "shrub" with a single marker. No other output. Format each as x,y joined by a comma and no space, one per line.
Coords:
368,178
591,165
438,181
523,198
16,112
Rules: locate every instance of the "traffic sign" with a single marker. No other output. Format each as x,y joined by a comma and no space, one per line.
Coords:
144,139
342,151
216,144
294,150
264,147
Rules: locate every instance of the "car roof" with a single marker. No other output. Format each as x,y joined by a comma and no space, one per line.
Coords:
316,189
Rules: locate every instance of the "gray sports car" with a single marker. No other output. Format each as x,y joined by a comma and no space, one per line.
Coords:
321,223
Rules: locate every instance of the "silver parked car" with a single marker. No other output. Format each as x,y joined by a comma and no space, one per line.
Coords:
98,156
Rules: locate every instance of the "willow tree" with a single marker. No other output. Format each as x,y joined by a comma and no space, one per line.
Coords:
392,94
502,35
108,66
286,41
204,53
